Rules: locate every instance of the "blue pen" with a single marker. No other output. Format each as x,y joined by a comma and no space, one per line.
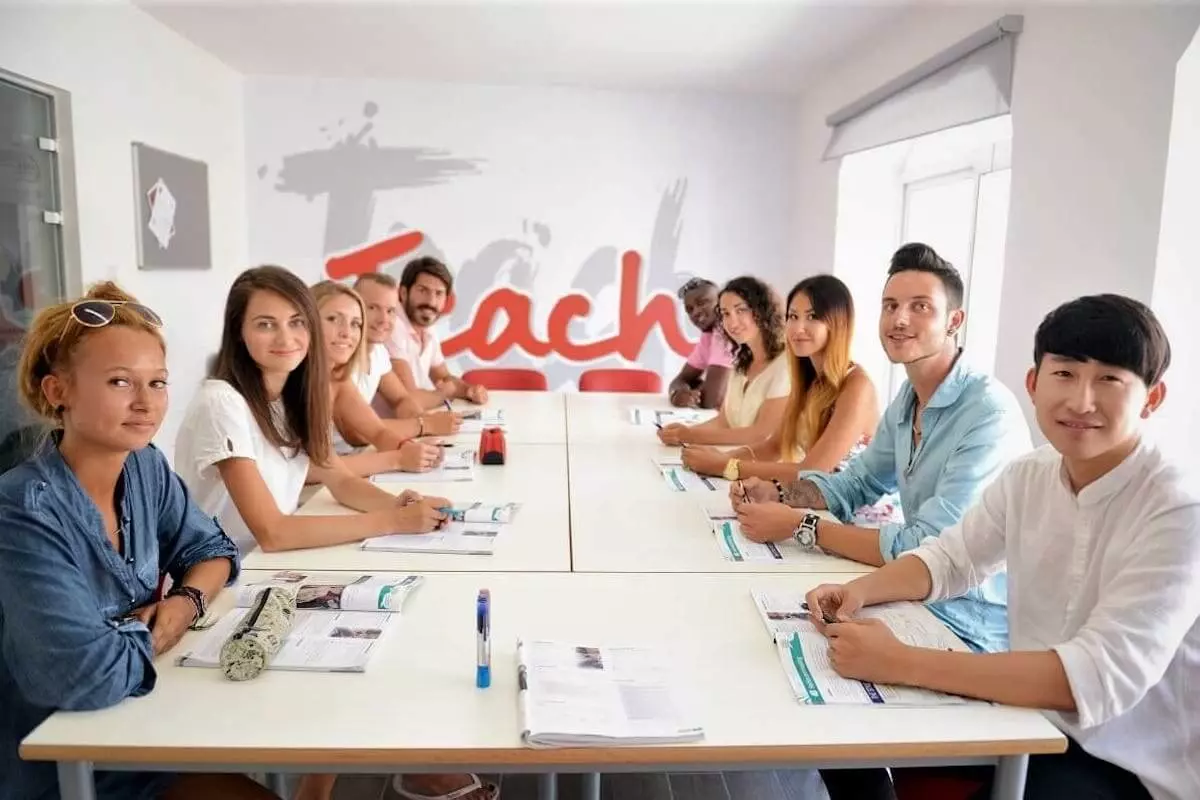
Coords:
446,403
483,639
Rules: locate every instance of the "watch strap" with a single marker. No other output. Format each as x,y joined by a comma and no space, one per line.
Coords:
192,594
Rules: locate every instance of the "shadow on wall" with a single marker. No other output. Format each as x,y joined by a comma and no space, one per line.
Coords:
353,167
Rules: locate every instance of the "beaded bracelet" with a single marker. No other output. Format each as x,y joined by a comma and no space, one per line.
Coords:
778,488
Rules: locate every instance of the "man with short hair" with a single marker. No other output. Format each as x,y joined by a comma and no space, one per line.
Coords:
425,286
380,383
702,380
946,436
1101,535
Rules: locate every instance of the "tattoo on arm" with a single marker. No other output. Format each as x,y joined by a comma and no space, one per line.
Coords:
803,494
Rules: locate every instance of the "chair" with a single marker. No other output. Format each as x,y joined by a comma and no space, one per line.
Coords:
931,784
620,380
506,379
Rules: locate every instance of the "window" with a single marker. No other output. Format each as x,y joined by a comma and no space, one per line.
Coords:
948,189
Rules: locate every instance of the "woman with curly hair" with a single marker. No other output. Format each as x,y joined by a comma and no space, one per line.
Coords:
752,318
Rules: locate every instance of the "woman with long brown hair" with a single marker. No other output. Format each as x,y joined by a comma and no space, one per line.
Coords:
259,429
355,423
832,408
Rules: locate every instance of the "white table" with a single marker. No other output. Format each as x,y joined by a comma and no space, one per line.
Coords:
530,417
603,418
538,541
624,518
417,709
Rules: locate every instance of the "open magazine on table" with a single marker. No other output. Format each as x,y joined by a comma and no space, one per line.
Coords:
652,417
472,529
734,545
474,420
575,695
803,652
327,634
457,465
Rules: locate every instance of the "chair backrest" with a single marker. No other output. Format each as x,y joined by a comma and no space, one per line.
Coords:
620,380
508,379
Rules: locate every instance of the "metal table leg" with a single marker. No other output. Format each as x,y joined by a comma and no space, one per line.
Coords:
1010,778
591,786
548,786
75,780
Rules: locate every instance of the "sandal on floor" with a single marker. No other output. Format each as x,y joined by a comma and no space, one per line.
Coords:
475,785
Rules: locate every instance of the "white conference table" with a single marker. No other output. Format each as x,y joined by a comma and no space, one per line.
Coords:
416,708
624,518
537,541
529,417
603,418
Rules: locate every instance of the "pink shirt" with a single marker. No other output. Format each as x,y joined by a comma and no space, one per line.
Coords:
711,351
422,352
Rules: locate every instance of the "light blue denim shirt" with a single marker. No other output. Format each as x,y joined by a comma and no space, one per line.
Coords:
64,590
971,429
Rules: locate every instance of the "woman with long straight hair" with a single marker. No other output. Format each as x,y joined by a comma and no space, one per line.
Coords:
832,410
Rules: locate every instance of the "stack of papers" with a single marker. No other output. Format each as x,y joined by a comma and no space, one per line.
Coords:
803,652
576,695
457,465
472,529
651,417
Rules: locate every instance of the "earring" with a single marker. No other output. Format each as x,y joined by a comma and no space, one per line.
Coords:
58,410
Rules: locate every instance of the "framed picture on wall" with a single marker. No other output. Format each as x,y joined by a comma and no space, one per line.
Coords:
171,199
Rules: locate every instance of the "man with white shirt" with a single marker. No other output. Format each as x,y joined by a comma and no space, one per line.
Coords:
425,286
379,383
1101,534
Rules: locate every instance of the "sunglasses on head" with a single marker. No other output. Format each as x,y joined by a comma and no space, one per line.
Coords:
98,313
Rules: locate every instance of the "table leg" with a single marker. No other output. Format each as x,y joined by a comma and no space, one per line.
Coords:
591,786
548,786
277,783
1009,783
75,780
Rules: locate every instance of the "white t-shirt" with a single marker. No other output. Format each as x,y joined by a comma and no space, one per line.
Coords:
421,353
379,363
219,425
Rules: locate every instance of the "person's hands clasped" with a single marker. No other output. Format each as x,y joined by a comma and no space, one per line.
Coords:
168,620
416,456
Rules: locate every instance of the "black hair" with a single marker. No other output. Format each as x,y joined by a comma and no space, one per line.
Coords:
1107,328
768,315
918,257
426,265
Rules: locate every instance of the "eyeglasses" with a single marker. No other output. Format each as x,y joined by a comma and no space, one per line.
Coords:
98,313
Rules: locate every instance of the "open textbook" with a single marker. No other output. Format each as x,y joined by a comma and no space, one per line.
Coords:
457,465
574,695
663,417
322,637
476,419
472,529
803,652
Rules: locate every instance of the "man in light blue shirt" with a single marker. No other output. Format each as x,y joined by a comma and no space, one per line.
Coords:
949,432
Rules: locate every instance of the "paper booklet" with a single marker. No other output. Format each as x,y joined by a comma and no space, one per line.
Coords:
472,530
734,546
329,631
340,593
577,695
679,479
476,419
457,465
661,417
803,652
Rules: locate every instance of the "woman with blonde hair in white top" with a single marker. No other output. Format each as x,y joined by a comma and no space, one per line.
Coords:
755,398
355,423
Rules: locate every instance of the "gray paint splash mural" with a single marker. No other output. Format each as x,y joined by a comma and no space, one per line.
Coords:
354,167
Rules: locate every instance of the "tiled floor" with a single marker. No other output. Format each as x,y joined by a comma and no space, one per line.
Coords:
761,785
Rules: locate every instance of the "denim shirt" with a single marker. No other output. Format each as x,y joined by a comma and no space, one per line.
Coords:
971,429
64,590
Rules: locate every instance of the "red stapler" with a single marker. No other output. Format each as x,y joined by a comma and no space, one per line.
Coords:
491,446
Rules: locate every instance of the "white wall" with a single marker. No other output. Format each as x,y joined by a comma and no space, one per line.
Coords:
550,186
1092,102
1176,281
132,79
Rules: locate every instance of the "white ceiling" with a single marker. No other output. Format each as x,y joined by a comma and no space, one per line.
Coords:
761,46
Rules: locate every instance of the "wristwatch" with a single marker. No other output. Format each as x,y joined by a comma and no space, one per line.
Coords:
733,470
193,594
805,533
